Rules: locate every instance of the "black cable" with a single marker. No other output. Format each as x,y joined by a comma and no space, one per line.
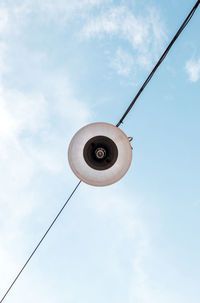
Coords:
186,21
23,267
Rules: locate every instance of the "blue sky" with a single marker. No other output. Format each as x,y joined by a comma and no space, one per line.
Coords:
66,64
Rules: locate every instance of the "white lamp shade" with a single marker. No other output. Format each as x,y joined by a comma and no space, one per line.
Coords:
100,154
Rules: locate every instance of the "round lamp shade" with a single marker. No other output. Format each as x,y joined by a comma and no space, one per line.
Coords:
100,154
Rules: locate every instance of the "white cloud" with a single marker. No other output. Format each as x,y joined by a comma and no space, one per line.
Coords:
117,20
145,34
122,62
30,142
34,128
4,19
19,114
193,69
32,146
65,103
3,66
60,11
29,112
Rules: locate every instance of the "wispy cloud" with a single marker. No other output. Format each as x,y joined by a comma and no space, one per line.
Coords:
59,12
122,62
193,69
35,126
4,19
144,34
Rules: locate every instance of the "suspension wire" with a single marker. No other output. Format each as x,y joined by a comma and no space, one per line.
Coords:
39,243
186,21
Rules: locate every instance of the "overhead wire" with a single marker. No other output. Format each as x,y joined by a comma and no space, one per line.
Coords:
186,21
39,243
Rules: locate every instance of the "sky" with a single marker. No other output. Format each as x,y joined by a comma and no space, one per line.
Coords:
64,64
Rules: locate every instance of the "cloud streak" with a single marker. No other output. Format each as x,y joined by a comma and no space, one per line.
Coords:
35,125
144,35
193,69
